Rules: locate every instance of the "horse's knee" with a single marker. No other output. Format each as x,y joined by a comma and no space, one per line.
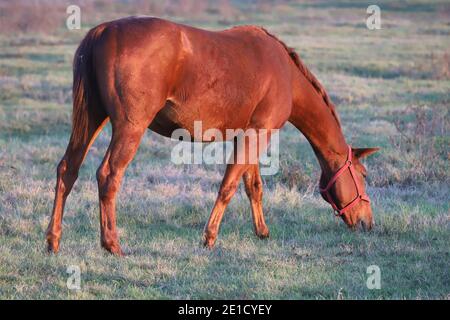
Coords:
254,188
227,192
257,189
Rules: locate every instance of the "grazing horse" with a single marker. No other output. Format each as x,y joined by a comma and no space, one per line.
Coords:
144,72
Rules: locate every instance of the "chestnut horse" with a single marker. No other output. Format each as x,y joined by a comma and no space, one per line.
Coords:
144,72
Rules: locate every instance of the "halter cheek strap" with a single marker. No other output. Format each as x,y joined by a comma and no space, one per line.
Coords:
359,195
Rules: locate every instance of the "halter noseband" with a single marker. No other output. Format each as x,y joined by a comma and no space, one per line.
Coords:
359,195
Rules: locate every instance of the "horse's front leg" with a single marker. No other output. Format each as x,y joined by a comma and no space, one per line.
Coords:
227,189
254,190
245,156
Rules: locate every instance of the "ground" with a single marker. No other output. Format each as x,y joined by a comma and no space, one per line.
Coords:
391,88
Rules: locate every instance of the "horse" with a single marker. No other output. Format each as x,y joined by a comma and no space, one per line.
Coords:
144,73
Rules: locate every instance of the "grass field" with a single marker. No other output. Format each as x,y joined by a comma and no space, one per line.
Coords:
391,88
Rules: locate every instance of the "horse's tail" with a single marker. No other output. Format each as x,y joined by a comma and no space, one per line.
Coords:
84,86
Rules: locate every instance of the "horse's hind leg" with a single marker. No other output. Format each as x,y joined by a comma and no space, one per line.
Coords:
124,144
254,190
67,173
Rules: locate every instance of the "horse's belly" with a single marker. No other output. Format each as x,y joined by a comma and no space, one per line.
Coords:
164,122
196,119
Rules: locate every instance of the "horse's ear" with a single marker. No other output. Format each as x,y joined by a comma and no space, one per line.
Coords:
363,152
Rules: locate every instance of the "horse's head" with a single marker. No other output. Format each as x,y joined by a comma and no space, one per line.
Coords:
345,190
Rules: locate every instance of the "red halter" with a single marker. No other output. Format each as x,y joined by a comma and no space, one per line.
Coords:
359,196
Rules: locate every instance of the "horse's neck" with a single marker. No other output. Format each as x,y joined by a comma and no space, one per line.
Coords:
313,117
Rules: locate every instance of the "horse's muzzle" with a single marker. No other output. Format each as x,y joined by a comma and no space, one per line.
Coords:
367,224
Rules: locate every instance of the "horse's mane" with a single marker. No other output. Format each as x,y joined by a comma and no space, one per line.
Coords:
308,74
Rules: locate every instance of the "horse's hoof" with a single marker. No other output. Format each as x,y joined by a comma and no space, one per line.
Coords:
52,244
52,247
263,234
114,250
208,241
118,253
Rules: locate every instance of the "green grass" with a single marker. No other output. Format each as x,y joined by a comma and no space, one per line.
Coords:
391,89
